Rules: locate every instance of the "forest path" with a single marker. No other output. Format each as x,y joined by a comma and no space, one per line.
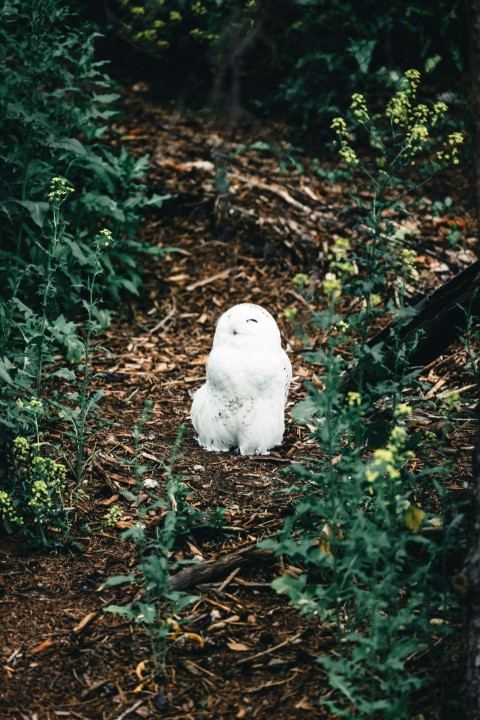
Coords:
243,229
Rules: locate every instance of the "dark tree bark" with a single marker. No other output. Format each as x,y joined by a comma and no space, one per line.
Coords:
474,52
472,605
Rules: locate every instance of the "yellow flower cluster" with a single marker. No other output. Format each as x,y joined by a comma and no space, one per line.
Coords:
341,326
20,449
7,510
359,108
104,239
418,134
112,516
332,286
339,253
40,501
408,258
301,280
403,410
399,108
413,77
150,35
46,477
340,126
348,154
388,461
354,398
59,191
290,313
451,148
198,8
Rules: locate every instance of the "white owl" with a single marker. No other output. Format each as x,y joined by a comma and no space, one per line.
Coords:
242,404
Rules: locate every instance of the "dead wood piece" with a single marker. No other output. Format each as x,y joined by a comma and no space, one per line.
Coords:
438,320
195,574
288,641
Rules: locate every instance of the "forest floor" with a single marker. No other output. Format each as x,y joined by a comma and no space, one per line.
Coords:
61,655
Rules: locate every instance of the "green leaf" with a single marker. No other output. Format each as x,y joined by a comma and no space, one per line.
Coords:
5,365
37,210
120,579
124,610
64,373
73,145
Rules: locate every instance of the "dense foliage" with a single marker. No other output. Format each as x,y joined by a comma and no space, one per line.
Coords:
301,58
357,529
61,185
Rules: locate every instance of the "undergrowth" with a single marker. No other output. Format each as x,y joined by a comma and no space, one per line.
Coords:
357,529
158,610
61,186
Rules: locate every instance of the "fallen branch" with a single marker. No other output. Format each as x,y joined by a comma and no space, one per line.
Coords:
196,574
437,321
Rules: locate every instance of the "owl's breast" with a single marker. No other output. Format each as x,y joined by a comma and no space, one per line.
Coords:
243,373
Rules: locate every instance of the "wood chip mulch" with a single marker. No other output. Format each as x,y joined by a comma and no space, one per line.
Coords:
61,655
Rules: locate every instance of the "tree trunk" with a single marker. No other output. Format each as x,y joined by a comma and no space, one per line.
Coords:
474,52
472,605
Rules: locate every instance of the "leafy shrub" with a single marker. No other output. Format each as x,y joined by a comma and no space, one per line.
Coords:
356,528
158,609
300,58
56,103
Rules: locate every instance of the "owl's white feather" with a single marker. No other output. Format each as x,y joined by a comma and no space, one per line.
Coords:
242,404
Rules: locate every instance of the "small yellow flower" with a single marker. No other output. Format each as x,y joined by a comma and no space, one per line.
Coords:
7,510
359,108
104,239
20,449
339,125
383,455
398,434
290,313
413,76
348,154
113,516
300,280
332,285
354,398
341,326
59,191
371,475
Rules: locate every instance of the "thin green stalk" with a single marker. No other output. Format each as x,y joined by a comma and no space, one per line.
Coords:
49,272
84,405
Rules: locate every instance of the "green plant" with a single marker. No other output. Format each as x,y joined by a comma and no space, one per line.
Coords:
33,498
356,528
55,106
85,402
298,58
158,610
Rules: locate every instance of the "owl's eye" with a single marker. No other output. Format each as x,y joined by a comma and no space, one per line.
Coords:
252,320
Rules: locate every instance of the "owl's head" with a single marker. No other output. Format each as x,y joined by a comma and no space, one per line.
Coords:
247,324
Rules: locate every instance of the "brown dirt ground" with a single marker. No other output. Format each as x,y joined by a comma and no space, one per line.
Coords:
61,656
